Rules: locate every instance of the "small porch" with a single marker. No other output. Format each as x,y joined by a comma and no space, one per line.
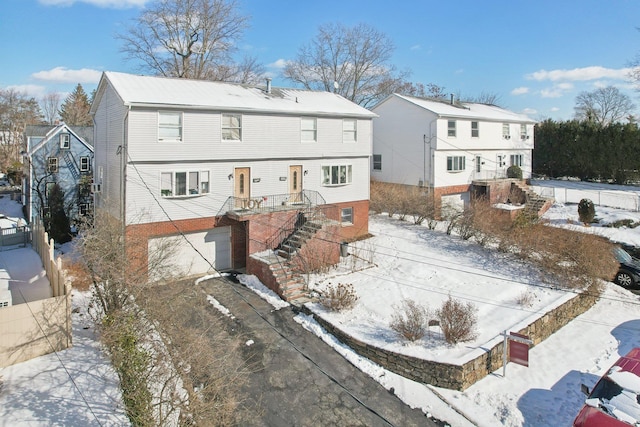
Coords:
242,208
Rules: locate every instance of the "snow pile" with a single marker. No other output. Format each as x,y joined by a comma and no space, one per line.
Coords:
221,308
265,293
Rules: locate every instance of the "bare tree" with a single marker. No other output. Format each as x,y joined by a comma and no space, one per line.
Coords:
430,90
50,106
192,39
75,109
603,106
487,98
351,61
17,110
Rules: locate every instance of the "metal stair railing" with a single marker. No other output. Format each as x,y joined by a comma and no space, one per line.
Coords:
71,165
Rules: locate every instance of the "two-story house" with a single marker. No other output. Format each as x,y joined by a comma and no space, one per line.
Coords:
452,148
63,155
227,170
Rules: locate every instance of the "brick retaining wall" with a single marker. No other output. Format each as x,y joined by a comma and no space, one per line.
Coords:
460,377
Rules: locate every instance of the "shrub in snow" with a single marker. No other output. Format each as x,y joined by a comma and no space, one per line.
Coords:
410,320
514,171
526,299
339,297
457,321
586,211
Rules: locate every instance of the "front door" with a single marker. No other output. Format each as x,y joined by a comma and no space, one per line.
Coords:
295,184
242,191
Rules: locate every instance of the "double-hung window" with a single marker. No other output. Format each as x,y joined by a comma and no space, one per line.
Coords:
516,160
523,132
308,129
232,127
455,163
349,130
475,130
336,175
169,126
85,164
184,183
65,140
377,162
451,128
52,164
506,134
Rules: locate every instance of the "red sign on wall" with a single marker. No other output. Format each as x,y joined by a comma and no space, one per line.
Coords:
519,351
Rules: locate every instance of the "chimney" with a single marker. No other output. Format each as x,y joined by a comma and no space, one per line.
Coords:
268,84
451,99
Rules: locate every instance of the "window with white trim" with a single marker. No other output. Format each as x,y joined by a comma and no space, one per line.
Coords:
475,129
516,160
349,130
455,163
232,127
478,164
85,164
523,132
184,183
336,175
451,128
308,129
346,216
377,162
169,126
52,164
65,140
506,131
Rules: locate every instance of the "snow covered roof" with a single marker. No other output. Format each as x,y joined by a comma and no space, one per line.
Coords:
59,128
468,110
138,90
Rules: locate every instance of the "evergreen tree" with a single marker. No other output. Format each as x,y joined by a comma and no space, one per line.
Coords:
75,109
57,223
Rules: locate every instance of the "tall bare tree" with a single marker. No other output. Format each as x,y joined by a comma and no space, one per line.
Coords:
351,61
17,110
192,39
75,109
50,106
603,106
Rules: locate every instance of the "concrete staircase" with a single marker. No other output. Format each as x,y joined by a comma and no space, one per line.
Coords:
535,204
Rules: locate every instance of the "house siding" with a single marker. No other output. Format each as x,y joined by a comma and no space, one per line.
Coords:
132,160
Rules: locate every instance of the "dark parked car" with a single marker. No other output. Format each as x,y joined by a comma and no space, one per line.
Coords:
615,400
628,275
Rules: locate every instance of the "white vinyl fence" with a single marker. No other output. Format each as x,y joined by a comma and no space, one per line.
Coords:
629,200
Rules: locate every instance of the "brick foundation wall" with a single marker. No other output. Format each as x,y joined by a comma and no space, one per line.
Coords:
360,226
460,377
138,235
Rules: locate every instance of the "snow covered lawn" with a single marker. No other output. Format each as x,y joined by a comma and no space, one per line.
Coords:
428,266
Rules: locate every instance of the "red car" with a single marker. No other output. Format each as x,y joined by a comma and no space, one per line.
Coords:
615,400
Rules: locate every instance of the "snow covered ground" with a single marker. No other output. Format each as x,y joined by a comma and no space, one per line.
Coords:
41,392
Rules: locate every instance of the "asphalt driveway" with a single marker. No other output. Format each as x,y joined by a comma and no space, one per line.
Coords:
296,379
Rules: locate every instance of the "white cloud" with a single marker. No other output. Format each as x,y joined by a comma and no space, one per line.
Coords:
459,71
415,47
280,63
520,90
119,4
554,109
529,111
556,91
580,74
65,75
35,91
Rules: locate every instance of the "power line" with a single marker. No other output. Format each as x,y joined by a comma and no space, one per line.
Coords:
255,310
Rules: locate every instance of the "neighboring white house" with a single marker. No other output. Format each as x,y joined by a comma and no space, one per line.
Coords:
447,146
220,167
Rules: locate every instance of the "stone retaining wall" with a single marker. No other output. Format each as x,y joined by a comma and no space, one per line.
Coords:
460,377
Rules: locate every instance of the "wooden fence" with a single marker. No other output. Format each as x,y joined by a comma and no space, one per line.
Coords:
38,327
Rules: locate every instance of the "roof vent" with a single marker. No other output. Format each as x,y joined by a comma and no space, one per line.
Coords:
268,85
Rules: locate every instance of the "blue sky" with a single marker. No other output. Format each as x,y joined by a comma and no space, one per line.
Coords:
535,55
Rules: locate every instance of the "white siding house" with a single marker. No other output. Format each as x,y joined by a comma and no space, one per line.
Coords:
447,146
211,162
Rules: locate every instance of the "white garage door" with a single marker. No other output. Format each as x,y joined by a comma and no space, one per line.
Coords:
195,254
455,202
